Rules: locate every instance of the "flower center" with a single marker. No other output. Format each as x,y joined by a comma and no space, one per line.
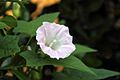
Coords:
52,43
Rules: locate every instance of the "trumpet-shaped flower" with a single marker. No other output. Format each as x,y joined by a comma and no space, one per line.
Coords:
55,40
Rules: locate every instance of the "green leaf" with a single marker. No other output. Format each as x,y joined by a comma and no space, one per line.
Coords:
19,75
2,25
8,45
81,50
9,20
23,27
72,74
46,17
31,27
103,73
71,62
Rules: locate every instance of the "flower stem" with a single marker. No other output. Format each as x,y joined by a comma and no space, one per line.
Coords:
29,40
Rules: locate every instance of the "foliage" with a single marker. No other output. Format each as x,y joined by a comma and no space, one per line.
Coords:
68,74
31,27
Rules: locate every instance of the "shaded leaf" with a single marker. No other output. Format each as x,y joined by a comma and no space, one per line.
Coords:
8,45
19,75
63,76
25,15
2,25
72,74
9,20
91,60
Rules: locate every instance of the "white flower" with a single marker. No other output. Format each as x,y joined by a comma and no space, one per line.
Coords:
55,40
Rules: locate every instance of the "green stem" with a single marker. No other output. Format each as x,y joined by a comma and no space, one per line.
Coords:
29,40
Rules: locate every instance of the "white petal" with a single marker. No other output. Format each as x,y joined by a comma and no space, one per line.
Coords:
47,50
66,50
63,31
40,37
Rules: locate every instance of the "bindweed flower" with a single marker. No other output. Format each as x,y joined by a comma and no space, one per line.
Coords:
55,40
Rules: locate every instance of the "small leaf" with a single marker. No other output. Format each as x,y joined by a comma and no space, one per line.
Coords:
31,27
81,50
71,62
9,20
8,45
2,25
